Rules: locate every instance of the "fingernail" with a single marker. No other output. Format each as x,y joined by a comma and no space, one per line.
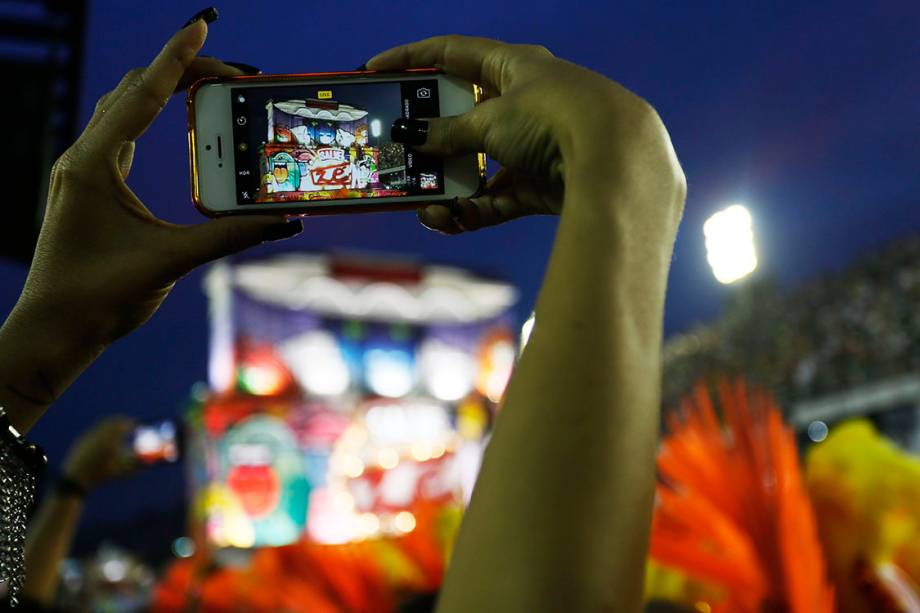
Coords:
246,68
409,131
361,68
207,15
284,230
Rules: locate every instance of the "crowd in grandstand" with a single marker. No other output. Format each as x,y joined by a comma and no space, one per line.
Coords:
840,331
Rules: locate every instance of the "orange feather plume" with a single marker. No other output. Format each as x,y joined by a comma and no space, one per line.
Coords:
731,508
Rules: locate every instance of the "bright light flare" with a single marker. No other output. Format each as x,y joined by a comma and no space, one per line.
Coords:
389,372
368,524
316,360
730,244
352,466
262,379
183,547
817,431
448,372
404,522
387,458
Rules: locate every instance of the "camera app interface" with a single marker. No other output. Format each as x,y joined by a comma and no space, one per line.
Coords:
329,141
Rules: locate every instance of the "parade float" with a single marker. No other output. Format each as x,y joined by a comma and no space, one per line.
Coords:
349,403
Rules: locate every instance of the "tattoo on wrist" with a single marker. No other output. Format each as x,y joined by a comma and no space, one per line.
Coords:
41,393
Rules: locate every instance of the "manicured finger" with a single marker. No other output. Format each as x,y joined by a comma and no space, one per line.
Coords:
499,203
203,67
193,246
438,217
200,68
472,132
141,98
490,209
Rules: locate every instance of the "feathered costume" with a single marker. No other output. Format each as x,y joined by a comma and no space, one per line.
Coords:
732,513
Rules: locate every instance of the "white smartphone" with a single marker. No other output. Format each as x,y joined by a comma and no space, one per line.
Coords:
320,143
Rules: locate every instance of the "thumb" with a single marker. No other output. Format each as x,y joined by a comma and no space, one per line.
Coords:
212,240
445,136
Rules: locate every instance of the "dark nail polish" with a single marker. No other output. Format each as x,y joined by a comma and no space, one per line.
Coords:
246,68
409,131
207,15
284,230
361,68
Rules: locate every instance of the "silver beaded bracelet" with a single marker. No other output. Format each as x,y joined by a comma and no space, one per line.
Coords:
20,465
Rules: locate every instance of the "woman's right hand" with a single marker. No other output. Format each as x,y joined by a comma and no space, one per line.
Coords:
574,444
541,117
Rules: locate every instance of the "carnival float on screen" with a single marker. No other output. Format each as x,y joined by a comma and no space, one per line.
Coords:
320,142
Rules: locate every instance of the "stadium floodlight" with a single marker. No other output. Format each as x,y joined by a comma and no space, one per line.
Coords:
730,244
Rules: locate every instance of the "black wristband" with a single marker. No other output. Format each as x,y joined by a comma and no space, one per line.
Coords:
65,486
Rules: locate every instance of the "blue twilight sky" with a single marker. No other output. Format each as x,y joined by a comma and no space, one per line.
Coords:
805,111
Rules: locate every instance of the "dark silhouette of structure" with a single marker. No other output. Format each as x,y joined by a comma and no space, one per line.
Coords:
41,55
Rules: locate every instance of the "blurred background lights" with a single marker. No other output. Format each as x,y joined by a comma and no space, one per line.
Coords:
352,466
387,458
448,372
368,524
114,569
497,363
389,372
344,501
262,379
404,522
183,547
817,431
375,128
317,363
421,452
730,244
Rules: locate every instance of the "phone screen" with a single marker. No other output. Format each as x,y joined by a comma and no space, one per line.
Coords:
318,141
153,443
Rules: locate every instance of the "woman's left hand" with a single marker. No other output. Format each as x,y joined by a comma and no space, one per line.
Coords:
102,256
104,262
101,454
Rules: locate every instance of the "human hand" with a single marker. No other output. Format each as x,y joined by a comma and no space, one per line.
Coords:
101,454
541,117
104,262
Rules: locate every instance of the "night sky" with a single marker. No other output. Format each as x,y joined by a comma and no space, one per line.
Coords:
806,112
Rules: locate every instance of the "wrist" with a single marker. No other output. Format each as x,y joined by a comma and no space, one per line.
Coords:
635,193
618,231
40,355
62,328
634,162
67,486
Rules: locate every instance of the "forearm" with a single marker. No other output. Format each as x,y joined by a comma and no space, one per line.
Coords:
40,356
569,474
48,543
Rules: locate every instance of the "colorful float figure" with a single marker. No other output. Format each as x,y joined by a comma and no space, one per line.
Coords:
319,149
343,394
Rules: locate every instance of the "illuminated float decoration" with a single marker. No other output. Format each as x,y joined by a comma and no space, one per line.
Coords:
343,393
320,149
